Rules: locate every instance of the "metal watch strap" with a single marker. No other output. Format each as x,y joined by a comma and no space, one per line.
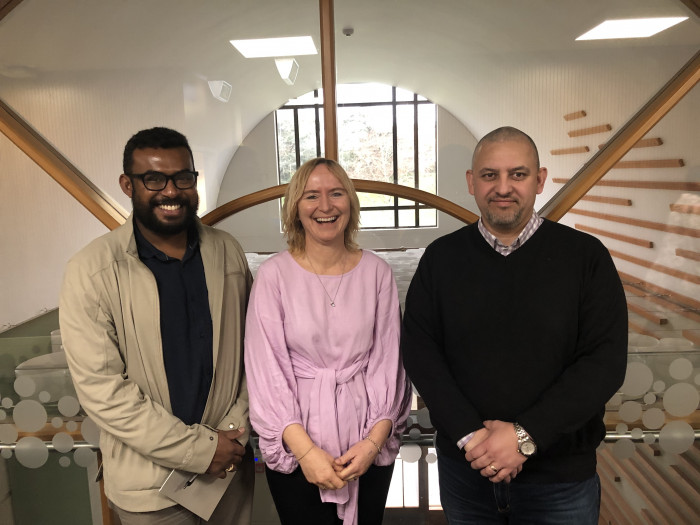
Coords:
524,437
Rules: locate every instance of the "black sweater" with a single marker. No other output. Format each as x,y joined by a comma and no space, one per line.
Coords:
538,337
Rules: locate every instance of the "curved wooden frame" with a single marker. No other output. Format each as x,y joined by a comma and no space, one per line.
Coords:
365,186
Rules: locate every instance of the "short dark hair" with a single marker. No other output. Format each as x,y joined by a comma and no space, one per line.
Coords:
157,137
506,133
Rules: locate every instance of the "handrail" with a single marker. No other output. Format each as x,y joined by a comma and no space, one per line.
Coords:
425,439
365,186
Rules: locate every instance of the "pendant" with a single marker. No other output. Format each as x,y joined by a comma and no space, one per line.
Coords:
333,305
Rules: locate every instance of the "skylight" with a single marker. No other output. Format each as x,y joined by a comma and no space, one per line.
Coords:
275,47
630,28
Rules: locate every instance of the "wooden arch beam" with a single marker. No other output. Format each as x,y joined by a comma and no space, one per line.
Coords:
59,168
366,186
618,146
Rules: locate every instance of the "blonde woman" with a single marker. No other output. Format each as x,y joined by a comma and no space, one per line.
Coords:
328,394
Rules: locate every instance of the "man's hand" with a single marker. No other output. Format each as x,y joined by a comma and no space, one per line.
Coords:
478,437
229,453
319,469
497,455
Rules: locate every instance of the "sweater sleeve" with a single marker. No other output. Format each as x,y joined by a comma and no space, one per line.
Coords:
271,383
598,366
422,346
388,389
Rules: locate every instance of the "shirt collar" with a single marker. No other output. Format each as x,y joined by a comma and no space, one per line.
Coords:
147,250
528,231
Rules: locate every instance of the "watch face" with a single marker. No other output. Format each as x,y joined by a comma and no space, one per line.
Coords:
527,448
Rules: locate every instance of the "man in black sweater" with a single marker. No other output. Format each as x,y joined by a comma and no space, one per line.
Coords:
515,335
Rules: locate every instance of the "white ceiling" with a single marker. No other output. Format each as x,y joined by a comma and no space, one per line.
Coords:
449,50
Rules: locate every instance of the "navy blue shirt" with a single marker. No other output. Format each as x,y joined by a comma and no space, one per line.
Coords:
185,324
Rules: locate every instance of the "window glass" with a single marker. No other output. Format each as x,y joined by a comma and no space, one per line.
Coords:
385,134
286,145
365,142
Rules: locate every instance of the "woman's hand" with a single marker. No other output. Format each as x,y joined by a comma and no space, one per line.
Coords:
356,460
318,468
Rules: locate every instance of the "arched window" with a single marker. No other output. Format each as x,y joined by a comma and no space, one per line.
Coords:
385,134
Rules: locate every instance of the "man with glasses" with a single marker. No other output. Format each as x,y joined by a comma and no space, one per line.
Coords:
152,318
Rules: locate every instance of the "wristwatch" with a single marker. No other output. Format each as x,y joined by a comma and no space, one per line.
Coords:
526,446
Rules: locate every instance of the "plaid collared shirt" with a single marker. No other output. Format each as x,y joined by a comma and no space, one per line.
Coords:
528,231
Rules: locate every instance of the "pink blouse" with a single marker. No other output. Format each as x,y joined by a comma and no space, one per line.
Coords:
334,370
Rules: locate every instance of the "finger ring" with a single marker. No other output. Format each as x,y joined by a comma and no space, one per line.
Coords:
493,468
231,468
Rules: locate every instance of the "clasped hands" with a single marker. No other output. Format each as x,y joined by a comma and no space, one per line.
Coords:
328,473
494,451
229,453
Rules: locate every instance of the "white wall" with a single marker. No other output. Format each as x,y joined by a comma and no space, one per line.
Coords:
254,167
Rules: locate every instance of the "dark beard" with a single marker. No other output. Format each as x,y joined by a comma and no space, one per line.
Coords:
144,214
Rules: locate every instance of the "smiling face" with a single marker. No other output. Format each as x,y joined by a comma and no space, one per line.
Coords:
505,179
169,211
324,208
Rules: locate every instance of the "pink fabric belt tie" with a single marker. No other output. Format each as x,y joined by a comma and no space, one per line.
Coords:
332,422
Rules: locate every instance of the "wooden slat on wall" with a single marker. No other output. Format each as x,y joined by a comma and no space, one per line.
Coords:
686,208
589,131
682,300
607,200
642,184
617,236
644,143
570,151
627,136
688,254
669,228
574,115
652,163
691,278
646,314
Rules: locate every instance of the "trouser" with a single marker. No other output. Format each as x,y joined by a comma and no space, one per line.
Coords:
235,507
468,498
298,502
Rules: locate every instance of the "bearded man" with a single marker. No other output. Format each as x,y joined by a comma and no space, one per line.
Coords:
152,318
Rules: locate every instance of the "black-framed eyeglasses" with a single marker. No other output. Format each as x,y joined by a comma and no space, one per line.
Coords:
157,181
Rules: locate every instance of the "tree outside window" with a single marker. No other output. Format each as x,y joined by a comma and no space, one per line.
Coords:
385,134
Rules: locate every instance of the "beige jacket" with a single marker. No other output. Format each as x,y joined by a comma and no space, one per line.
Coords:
110,326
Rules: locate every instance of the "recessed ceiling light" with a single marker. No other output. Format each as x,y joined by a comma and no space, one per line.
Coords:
630,28
275,47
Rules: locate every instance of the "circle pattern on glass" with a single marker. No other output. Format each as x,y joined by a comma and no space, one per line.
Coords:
29,415
24,386
681,399
84,457
31,452
410,453
638,379
676,437
68,406
62,442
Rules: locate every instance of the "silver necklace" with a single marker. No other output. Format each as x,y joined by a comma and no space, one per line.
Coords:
332,299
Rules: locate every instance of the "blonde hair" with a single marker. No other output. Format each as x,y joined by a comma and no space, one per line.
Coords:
291,224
